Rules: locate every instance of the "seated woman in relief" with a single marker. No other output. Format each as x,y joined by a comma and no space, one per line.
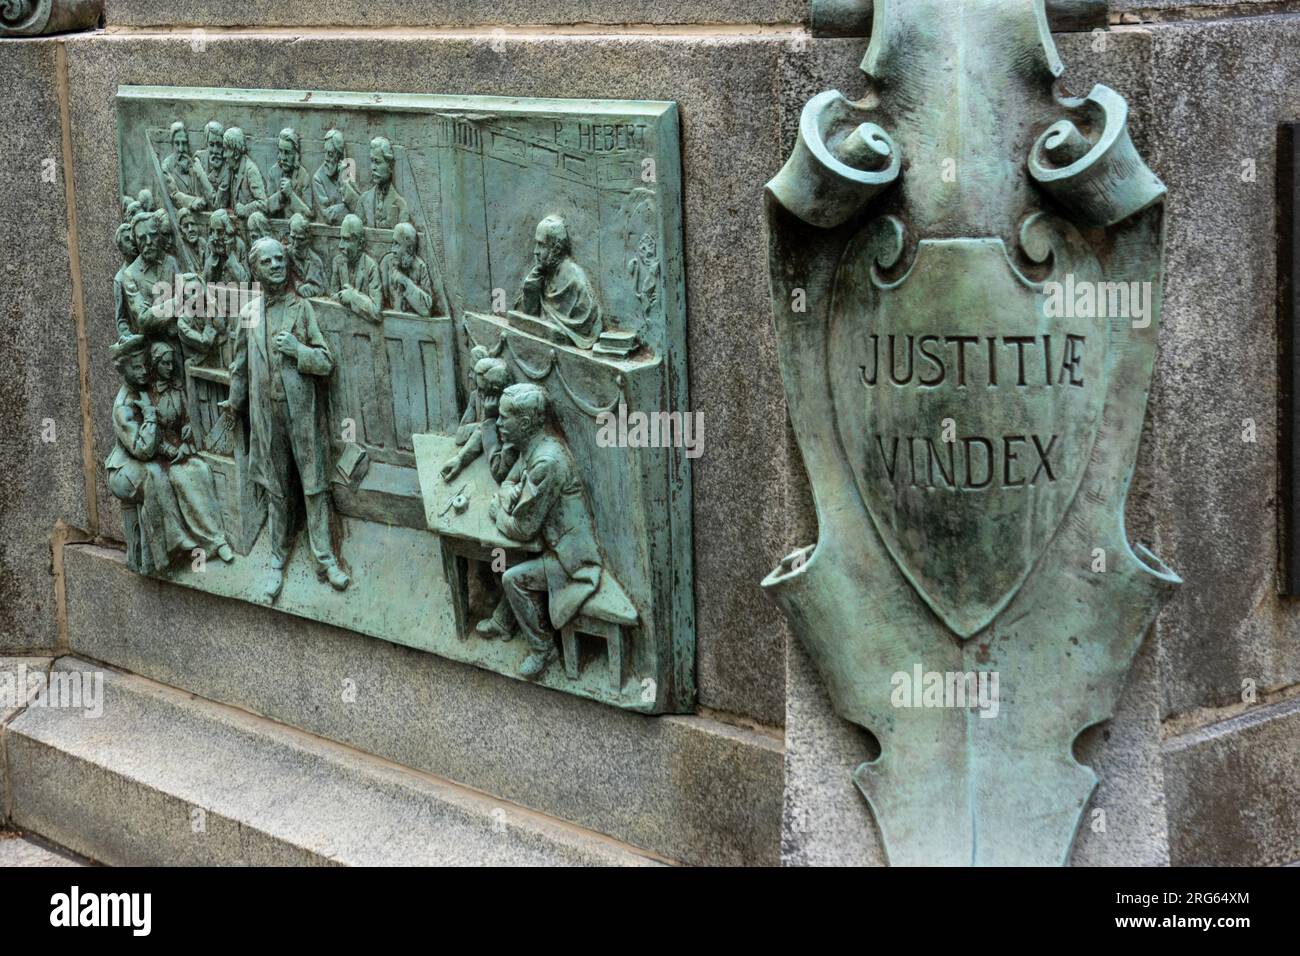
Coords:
189,476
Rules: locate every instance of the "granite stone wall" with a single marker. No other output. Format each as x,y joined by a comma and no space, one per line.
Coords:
42,480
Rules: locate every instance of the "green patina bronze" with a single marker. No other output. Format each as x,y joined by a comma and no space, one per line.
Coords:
966,271
378,356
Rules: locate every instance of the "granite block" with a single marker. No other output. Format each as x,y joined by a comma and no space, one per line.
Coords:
449,13
42,477
162,778
1234,790
1209,461
688,788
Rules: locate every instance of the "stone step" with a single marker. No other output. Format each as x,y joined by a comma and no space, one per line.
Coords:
21,849
160,777
16,677
693,789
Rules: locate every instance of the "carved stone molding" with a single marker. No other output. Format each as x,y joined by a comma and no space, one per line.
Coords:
852,18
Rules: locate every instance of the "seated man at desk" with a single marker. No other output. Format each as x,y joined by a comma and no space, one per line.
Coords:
557,289
478,436
543,498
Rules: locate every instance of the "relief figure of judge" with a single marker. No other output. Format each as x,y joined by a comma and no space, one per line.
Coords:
557,289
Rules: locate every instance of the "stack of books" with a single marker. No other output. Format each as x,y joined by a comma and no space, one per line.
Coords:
616,342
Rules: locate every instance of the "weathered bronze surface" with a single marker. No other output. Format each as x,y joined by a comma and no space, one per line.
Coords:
966,269
368,343
24,18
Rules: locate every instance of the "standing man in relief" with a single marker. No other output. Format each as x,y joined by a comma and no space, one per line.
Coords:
281,363
187,184
382,206
289,182
247,189
332,194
